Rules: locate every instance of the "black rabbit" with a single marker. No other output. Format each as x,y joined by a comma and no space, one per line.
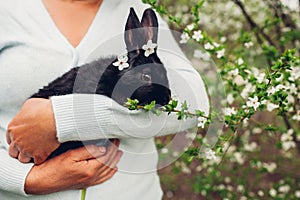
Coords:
138,75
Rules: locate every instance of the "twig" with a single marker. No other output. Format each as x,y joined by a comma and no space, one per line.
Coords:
289,126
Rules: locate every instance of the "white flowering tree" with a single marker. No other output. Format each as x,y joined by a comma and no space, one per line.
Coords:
255,46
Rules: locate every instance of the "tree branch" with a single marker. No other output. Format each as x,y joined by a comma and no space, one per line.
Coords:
254,26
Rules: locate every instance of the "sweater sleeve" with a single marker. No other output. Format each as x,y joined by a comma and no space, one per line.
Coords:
13,173
87,117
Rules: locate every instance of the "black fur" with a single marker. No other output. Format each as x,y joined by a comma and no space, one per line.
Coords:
102,77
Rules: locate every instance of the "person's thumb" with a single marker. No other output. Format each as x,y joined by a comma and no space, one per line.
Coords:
87,152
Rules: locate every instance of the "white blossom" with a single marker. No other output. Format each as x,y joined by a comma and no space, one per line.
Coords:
184,38
260,193
149,48
251,147
209,154
201,121
197,35
296,117
297,193
240,188
261,77
295,74
216,44
230,98
201,55
248,88
293,89
208,46
248,44
164,150
284,189
234,72
253,102
290,99
287,145
271,91
220,53
223,39
264,102
190,27
239,158
270,167
256,130
271,107
122,62
240,61
227,179
229,111
272,192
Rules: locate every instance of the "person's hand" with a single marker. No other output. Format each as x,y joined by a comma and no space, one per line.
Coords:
74,169
32,132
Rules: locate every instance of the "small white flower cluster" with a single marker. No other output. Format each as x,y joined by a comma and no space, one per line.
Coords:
248,44
251,146
270,167
184,168
202,55
239,158
295,74
234,72
287,140
229,111
284,189
202,121
240,61
209,154
296,117
249,88
272,192
184,38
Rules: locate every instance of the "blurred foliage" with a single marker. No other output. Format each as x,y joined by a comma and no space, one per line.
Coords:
255,46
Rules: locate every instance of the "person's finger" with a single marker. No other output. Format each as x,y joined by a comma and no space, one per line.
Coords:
23,158
116,159
107,176
8,140
87,152
112,163
13,151
110,155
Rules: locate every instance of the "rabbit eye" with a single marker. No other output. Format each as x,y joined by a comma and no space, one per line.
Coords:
146,77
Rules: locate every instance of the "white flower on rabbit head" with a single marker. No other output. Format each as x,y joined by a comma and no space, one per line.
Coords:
122,62
149,48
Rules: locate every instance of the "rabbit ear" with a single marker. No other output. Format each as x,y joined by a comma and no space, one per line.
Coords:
150,25
134,36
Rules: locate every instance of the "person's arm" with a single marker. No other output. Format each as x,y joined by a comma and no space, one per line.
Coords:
75,169
13,173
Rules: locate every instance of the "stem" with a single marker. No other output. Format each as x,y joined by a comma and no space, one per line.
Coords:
83,194
174,110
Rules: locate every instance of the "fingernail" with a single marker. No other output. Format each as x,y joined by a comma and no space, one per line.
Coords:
102,149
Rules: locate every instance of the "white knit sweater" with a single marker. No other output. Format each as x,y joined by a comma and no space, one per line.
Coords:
33,52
